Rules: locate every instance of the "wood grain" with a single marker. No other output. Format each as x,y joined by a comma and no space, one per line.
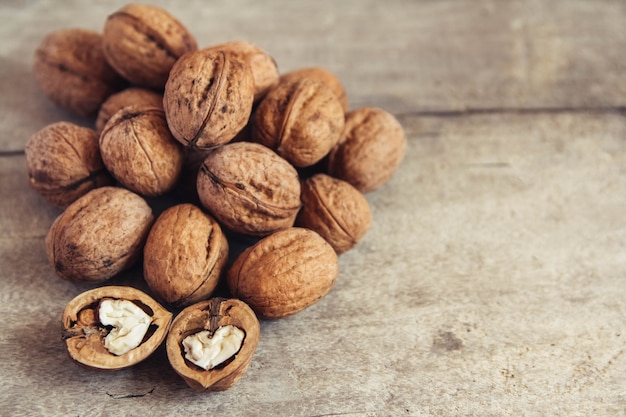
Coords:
491,281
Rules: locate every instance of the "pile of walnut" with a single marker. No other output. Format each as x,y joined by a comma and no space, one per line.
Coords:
256,153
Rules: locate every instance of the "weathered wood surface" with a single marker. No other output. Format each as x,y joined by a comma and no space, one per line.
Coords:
492,281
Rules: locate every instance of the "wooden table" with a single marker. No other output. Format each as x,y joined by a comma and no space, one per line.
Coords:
492,281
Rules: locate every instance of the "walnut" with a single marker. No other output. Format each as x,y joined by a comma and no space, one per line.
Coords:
249,188
142,42
64,163
301,120
211,343
264,68
335,210
284,273
370,151
124,98
139,151
113,327
184,255
323,75
208,98
99,235
70,68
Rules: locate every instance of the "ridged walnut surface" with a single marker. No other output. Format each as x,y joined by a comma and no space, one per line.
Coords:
370,150
335,210
99,235
284,273
208,98
139,151
71,70
142,42
184,255
249,188
64,163
301,120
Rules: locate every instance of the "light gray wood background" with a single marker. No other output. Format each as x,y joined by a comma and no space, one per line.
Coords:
492,281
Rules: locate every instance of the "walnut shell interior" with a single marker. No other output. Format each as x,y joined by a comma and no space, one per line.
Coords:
210,315
84,335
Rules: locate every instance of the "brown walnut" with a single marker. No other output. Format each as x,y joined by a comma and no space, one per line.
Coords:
335,210
99,235
124,98
139,151
84,334
142,42
64,163
263,66
208,98
249,188
370,150
184,255
70,68
323,75
209,316
301,120
284,273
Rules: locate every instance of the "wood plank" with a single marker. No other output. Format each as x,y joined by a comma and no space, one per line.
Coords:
490,281
402,55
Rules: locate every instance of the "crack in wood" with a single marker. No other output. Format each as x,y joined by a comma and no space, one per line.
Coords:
515,110
137,395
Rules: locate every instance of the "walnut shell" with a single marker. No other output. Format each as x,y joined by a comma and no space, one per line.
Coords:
284,273
249,189
184,255
300,120
323,75
142,42
370,151
210,315
335,210
124,98
263,66
99,235
139,151
208,98
83,334
64,163
70,68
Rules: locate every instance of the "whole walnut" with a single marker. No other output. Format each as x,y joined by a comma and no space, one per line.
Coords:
70,68
99,235
335,210
64,163
208,98
184,255
142,42
139,151
323,75
263,66
129,96
284,273
370,151
249,188
301,120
